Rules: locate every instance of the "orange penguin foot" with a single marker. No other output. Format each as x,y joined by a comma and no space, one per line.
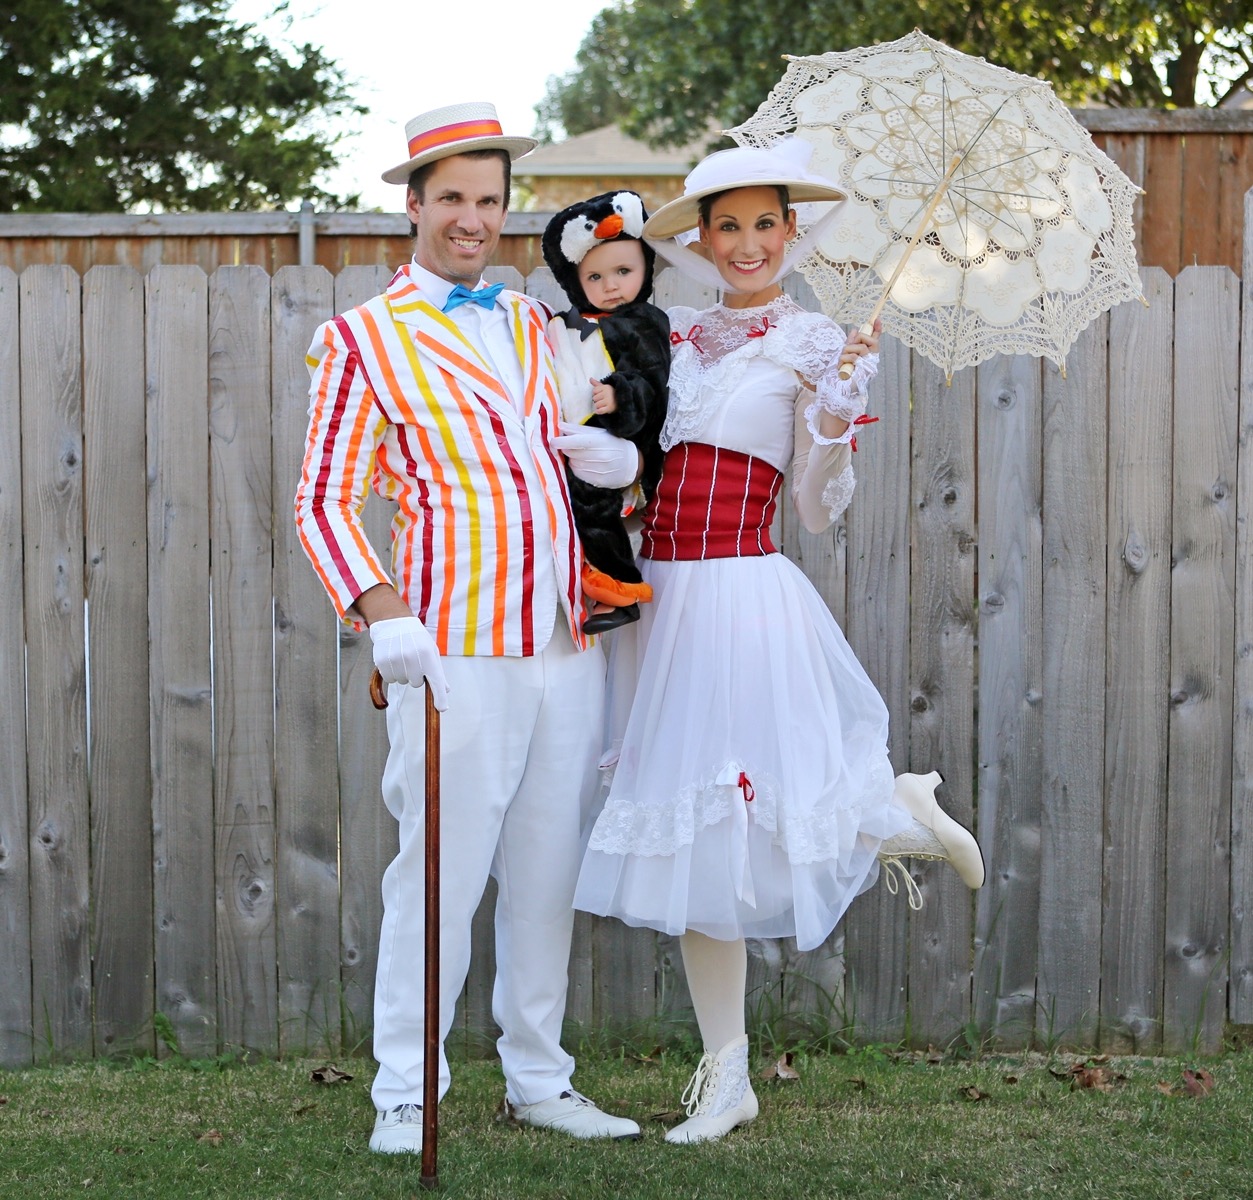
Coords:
607,590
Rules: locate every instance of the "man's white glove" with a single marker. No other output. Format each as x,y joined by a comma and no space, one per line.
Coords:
405,652
597,457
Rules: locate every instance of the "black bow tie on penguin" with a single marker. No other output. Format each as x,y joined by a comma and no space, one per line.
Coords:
611,217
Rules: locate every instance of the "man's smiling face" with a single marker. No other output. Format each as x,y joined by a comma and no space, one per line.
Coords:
459,216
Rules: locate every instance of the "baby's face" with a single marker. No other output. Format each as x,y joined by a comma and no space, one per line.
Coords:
612,274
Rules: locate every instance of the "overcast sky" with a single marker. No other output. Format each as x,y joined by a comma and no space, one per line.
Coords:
407,56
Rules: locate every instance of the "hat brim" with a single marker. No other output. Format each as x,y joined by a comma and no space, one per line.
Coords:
516,146
684,213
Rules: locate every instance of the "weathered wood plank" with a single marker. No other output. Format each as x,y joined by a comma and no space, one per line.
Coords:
117,589
180,675
52,511
367,830
1199,226
243,656
1198,826
16,1028
1137,670
306,768
1160,233
876,930
1011,715
1071,836
942,629
1241,994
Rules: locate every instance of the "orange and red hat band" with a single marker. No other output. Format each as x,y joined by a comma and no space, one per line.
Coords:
446,134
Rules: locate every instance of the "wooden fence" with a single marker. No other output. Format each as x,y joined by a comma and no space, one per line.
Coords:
1048,578
1194,166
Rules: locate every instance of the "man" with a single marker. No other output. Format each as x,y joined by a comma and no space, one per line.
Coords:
444,397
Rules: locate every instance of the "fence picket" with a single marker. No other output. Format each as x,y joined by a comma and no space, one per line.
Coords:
115,474
1137,674
306,769
942,670
16,1025
181,681
1198,819
243,685
52,517
1010,726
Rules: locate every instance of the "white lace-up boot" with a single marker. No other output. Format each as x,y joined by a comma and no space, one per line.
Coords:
398,1130
718,1097
933,834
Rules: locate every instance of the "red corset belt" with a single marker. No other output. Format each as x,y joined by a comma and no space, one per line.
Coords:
711,503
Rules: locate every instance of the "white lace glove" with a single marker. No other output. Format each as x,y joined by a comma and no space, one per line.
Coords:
597,457
842,398
405,652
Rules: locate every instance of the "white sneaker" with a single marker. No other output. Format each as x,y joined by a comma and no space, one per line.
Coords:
398,1130
718,1097
933,834
573,1114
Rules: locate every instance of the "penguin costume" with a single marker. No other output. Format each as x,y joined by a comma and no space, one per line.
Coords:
627,348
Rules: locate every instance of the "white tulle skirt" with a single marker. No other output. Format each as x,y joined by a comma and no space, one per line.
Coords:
749,785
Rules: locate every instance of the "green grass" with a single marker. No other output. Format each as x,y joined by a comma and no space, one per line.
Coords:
865,1125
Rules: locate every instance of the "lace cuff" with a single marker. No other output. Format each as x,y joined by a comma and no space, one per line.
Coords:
842,398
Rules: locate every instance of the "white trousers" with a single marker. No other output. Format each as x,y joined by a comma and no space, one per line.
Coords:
519,745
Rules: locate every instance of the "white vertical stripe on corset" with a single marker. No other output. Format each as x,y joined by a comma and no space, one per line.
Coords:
709,508
748,475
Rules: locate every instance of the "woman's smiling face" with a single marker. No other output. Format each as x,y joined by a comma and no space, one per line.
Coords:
746,236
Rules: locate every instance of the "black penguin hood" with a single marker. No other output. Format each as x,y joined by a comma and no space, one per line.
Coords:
612,217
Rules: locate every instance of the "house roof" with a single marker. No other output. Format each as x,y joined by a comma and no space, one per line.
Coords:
609,151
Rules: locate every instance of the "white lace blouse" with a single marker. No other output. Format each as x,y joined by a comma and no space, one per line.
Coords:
754,380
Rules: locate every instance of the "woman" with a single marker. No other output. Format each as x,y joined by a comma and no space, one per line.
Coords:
751,791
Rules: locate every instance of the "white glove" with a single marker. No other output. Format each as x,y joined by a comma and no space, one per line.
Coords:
597,457
405,652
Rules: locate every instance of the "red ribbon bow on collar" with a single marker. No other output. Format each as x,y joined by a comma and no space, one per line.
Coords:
765,325
692,334
862,420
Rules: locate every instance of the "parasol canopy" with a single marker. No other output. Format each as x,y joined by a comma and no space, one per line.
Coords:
981,218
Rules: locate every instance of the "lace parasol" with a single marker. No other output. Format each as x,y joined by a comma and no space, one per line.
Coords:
981,217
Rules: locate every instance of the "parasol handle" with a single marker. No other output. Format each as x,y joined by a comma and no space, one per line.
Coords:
846,369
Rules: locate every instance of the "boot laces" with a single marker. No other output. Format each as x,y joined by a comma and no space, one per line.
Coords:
896,867
702,1087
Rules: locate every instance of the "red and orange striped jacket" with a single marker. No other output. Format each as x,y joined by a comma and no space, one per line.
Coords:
400,400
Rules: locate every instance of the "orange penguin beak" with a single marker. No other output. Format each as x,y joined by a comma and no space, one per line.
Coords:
610,227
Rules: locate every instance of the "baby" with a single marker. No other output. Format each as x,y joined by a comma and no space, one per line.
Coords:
612,351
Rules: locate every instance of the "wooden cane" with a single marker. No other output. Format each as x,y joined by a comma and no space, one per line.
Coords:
430,1076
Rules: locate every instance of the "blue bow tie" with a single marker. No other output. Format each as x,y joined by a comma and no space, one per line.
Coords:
485,296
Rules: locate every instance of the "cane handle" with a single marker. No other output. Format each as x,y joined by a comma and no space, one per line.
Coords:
846,369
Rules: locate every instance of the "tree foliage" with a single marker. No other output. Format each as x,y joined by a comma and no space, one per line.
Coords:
161,104
664,69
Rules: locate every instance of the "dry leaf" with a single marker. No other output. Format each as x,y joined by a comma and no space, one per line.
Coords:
212,1138
300,1109
1009,1078
972,1093
782,1069
1165,1088
329,1074
1198,1083
651,1058
1096,1078
3,1101
858,1082
934,1056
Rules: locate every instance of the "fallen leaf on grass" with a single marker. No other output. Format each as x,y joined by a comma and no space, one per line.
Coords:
212,1138
934,1056
858,1082
1198,1083
1096,1078
782,1069
3,1101
972,1093
1009,1078
299,1109
329,1074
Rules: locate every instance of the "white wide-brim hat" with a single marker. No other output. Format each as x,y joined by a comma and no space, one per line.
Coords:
455,129
785,164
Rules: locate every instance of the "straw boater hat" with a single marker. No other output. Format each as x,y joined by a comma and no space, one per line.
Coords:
785,164
455,129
